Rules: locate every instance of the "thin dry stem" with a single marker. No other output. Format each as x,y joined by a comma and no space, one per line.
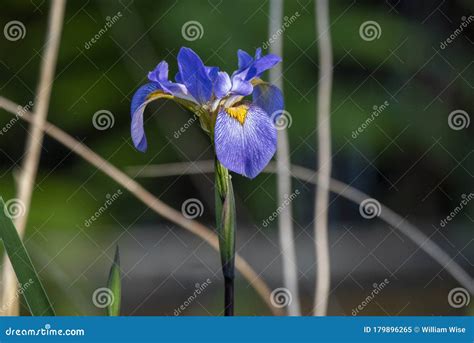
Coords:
323,276
341,189
285,219
33,147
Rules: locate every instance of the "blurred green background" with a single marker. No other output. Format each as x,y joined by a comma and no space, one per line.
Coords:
408,158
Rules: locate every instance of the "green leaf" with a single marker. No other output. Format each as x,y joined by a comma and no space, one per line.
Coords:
30,284
227,233
115,286
225,218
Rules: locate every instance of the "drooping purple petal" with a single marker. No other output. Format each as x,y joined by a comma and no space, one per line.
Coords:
269,98
245,148
139,102
194,76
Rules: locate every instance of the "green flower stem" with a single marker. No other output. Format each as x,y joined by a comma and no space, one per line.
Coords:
226,223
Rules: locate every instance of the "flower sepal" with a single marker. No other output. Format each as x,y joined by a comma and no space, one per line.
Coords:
141,99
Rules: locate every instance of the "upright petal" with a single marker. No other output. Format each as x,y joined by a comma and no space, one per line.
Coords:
194,76
266,62
244,59
269,98
212,73
241,86
160,76
223,85
245,141
160,73
178,78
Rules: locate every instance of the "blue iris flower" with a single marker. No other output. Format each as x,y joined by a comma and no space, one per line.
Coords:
243,132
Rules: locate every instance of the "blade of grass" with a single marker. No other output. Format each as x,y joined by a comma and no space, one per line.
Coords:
115,286
30,284
34,142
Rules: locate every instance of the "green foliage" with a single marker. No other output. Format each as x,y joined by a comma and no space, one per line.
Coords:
29,282
114,284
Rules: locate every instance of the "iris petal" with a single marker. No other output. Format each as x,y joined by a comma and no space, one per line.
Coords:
177,89
194,75
138,105
178,78
222,85
250,67
269,98
245,149
142,97
212,72
266,62
160,73
160,76
241,86
244,59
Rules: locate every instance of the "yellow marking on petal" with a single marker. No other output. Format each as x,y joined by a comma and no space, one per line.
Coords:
239,113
